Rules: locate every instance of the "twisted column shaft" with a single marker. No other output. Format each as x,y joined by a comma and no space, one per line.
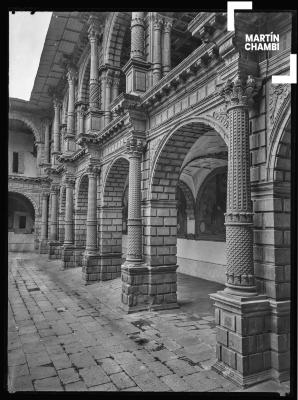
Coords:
44,217
71,103
93,34
239,222
47,143
56,131
156,71
166,48
54,214
68,220
91,223
134,221
137,35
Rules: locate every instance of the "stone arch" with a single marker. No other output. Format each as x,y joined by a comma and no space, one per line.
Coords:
111,218
114,37
165,174
29,123
30,198
281,131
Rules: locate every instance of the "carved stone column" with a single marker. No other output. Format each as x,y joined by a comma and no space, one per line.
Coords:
81,115
68,254
108,94
137,35
69,137
44,223
53,249
157,26
134,273
242,316
68,222
91,260
56,130
134,221
47,142
93,34
166,46
91,222
115,85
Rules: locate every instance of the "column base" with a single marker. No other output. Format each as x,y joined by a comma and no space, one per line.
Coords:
90,267
237,378
43,246
110,266
54,250
147,288
243,338
68,256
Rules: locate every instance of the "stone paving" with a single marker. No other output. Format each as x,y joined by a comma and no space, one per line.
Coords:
66,336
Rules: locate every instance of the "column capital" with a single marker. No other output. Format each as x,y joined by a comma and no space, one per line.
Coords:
69,181
55,187
71,75
93,169
167,24
137,18
57,103
134,147
157,21
93,28
45,195
239,93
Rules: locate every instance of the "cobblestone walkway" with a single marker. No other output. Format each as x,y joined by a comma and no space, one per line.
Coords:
65,336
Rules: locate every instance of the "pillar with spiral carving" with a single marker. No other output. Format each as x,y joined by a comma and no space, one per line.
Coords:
54,212
93,35
238,218
108,96
137,35
68,222
44,222
166,46
91,222
70,131
56,128
134,221
156,70
47,142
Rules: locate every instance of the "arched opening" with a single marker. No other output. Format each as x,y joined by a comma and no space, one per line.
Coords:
189,155
22,149
21,223
81,208
111,219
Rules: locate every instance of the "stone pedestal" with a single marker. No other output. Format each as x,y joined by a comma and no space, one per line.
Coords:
68,256
43,246
243,338
54,250
110,266
90,267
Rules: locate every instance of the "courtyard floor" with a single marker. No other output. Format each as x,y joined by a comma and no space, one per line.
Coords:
66,336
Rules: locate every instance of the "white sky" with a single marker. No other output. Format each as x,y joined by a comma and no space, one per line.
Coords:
26,39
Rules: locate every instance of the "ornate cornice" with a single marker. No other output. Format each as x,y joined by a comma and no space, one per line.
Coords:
35,180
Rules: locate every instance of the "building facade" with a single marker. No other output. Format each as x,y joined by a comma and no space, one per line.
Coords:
155,143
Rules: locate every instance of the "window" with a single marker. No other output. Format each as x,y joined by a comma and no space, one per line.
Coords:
15,162
22,222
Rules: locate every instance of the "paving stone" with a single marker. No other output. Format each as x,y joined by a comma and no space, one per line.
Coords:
68,375
21,384
122,381
36,359
82,359
99,352
42,372
110,366
16,357
48,384
125,357
73,347
18,370
181,367
201,383
106,387
60,361
93,376
150,383
159,369
164,355
176,383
